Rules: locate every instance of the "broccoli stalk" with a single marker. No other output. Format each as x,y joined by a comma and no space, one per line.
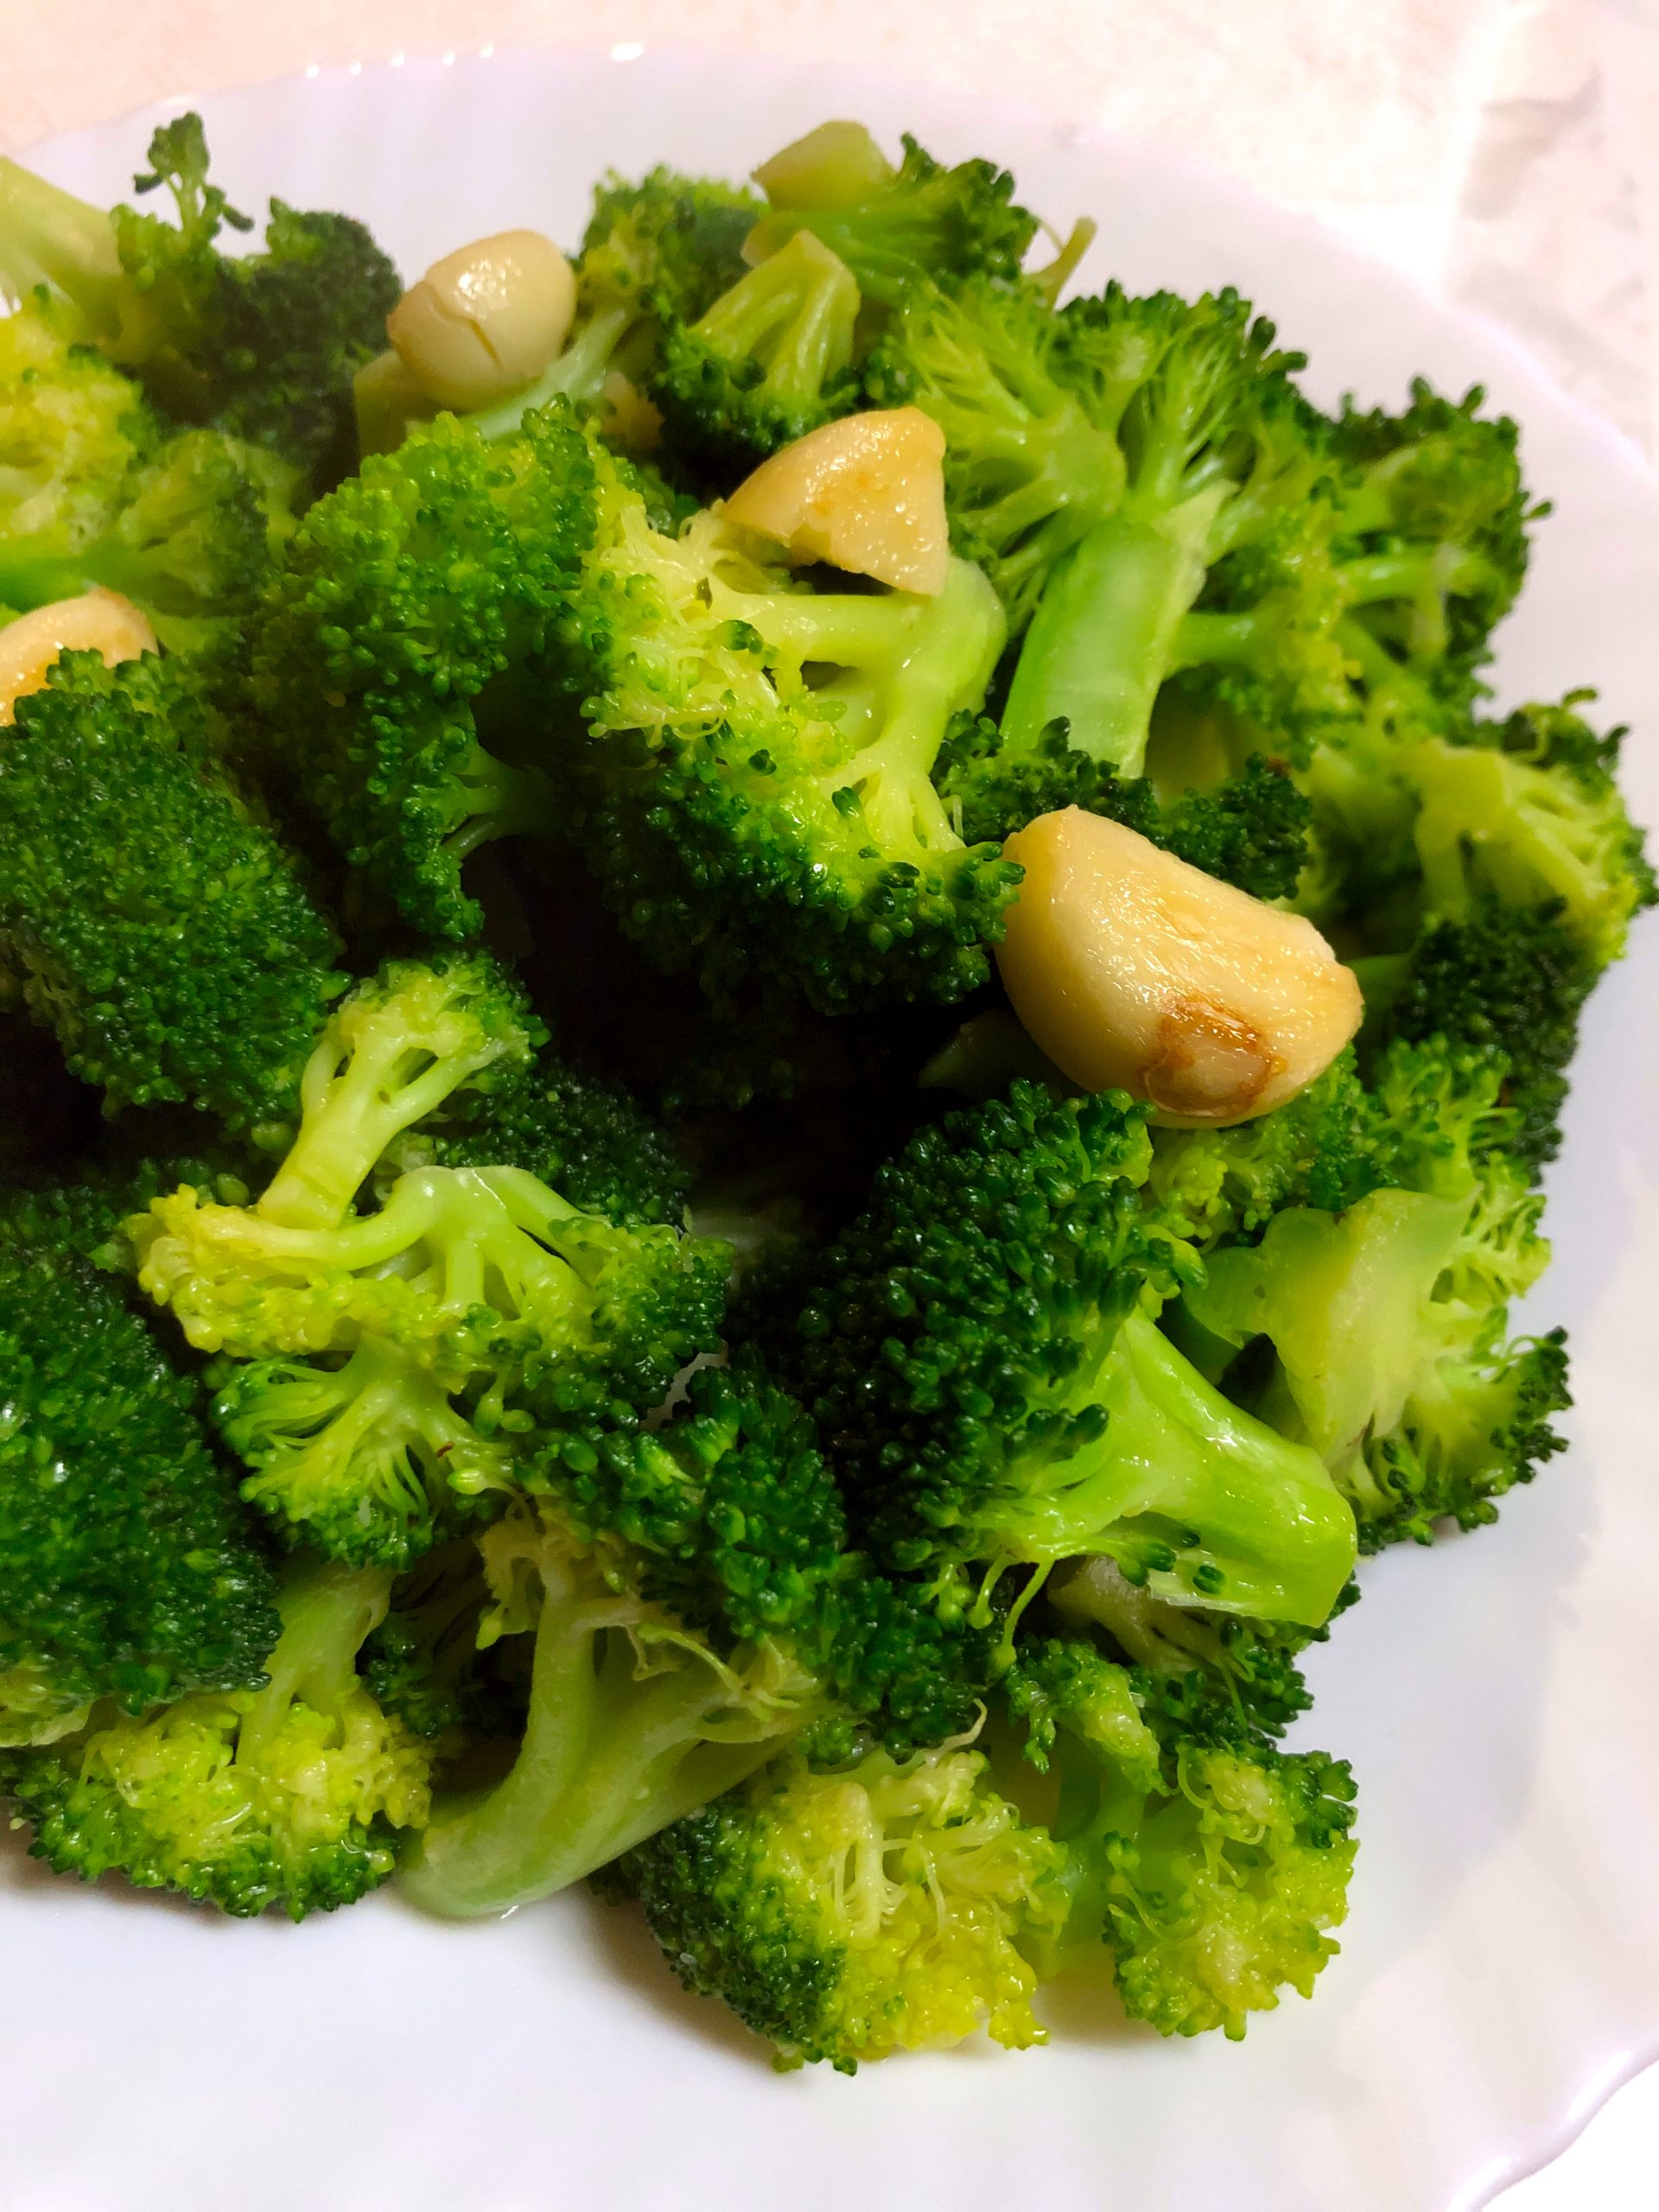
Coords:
285,1795
850,1914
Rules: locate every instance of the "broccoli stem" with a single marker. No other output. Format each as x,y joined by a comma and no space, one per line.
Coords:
49,237
327,1614
613,1751
576,375
1104,634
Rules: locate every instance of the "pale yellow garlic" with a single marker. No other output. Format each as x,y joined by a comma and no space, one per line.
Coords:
865,494
1134,972
487,319
97,621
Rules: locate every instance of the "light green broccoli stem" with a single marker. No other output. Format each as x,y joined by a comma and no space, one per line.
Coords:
492,798
627,1731
387,1058
328,1612
794,315
576,375
1103,638
48,237
1195,1500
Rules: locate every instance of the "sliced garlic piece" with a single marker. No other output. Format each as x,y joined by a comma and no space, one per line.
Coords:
1134,972
97,621
485,319
865,494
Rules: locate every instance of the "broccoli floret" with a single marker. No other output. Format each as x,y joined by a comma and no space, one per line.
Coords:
769,361
400,663
1388,1321
980,1349
1251,830
1212,1868
756,782
848,1915
264,345
286,1795
694,1608
95,493
1506,982
1432,538
896,228
160,932
126,1569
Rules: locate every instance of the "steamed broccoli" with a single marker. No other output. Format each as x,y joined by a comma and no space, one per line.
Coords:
126,1570
849,1914
474,1299
161,932
980,1349
755,788
290,1793
264,345
95,491
1211,1866
1388,1320
693,1607
400,664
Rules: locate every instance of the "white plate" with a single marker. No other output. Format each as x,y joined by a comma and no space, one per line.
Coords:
1500,1971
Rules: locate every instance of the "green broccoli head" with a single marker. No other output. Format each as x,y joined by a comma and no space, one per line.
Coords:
769,361
400,660
1251,830
897,228
848,1915
755,787
264,345
1388,1321
127,1570
72,427
161,932
424,1665
1212,1868
980,1350
289,1794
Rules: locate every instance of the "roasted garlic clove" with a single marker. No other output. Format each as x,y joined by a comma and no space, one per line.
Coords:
865,494
1136,971
485,319
97,621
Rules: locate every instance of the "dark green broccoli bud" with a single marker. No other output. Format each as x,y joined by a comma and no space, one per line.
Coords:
585,1137
1388,1321
400,662
920,222
264,345
160,932
1508,981
126,1569
769,361
980,1352
693,1607
849,1914
1212,1870
1252,830
800,836
289,1794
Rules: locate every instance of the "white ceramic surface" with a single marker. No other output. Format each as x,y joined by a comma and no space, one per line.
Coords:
1500,1970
